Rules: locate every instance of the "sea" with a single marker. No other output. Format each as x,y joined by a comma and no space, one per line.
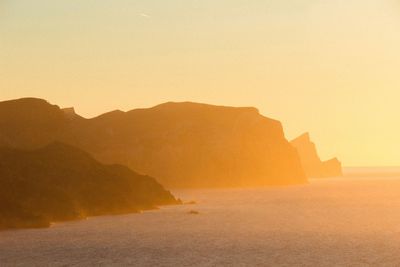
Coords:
348,221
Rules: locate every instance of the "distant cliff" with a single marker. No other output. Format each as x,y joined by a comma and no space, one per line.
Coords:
59,182
182,144
311,162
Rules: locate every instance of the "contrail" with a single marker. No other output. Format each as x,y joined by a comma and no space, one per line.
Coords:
144,15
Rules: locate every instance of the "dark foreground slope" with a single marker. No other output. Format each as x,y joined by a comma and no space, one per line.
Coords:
311,162
182,144
59,182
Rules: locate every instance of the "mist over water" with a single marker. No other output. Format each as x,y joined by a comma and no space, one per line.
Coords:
334,222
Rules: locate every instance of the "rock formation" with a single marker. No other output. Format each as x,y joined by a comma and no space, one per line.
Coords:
70,113
311,162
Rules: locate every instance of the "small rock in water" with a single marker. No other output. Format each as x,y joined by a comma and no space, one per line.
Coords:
194,212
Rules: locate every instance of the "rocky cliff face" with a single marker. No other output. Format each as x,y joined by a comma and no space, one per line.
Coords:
195,145
311,162
182,144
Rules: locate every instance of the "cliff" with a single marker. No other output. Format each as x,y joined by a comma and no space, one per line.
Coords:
195,145
60,182
311,162
182,144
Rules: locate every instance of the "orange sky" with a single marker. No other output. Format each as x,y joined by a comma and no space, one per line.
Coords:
327,67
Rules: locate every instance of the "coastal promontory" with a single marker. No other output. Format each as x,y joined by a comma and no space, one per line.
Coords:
59,182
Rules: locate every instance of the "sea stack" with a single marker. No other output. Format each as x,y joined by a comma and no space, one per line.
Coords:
312,164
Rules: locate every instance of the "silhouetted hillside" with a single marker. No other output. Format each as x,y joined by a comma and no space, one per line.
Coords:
182,144
311,162
29,123
59,182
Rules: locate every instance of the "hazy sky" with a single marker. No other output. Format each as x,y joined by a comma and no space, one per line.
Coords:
328,67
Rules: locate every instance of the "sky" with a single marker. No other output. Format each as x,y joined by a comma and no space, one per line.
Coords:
331,68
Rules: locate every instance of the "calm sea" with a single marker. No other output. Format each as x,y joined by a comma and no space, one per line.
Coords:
335,222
